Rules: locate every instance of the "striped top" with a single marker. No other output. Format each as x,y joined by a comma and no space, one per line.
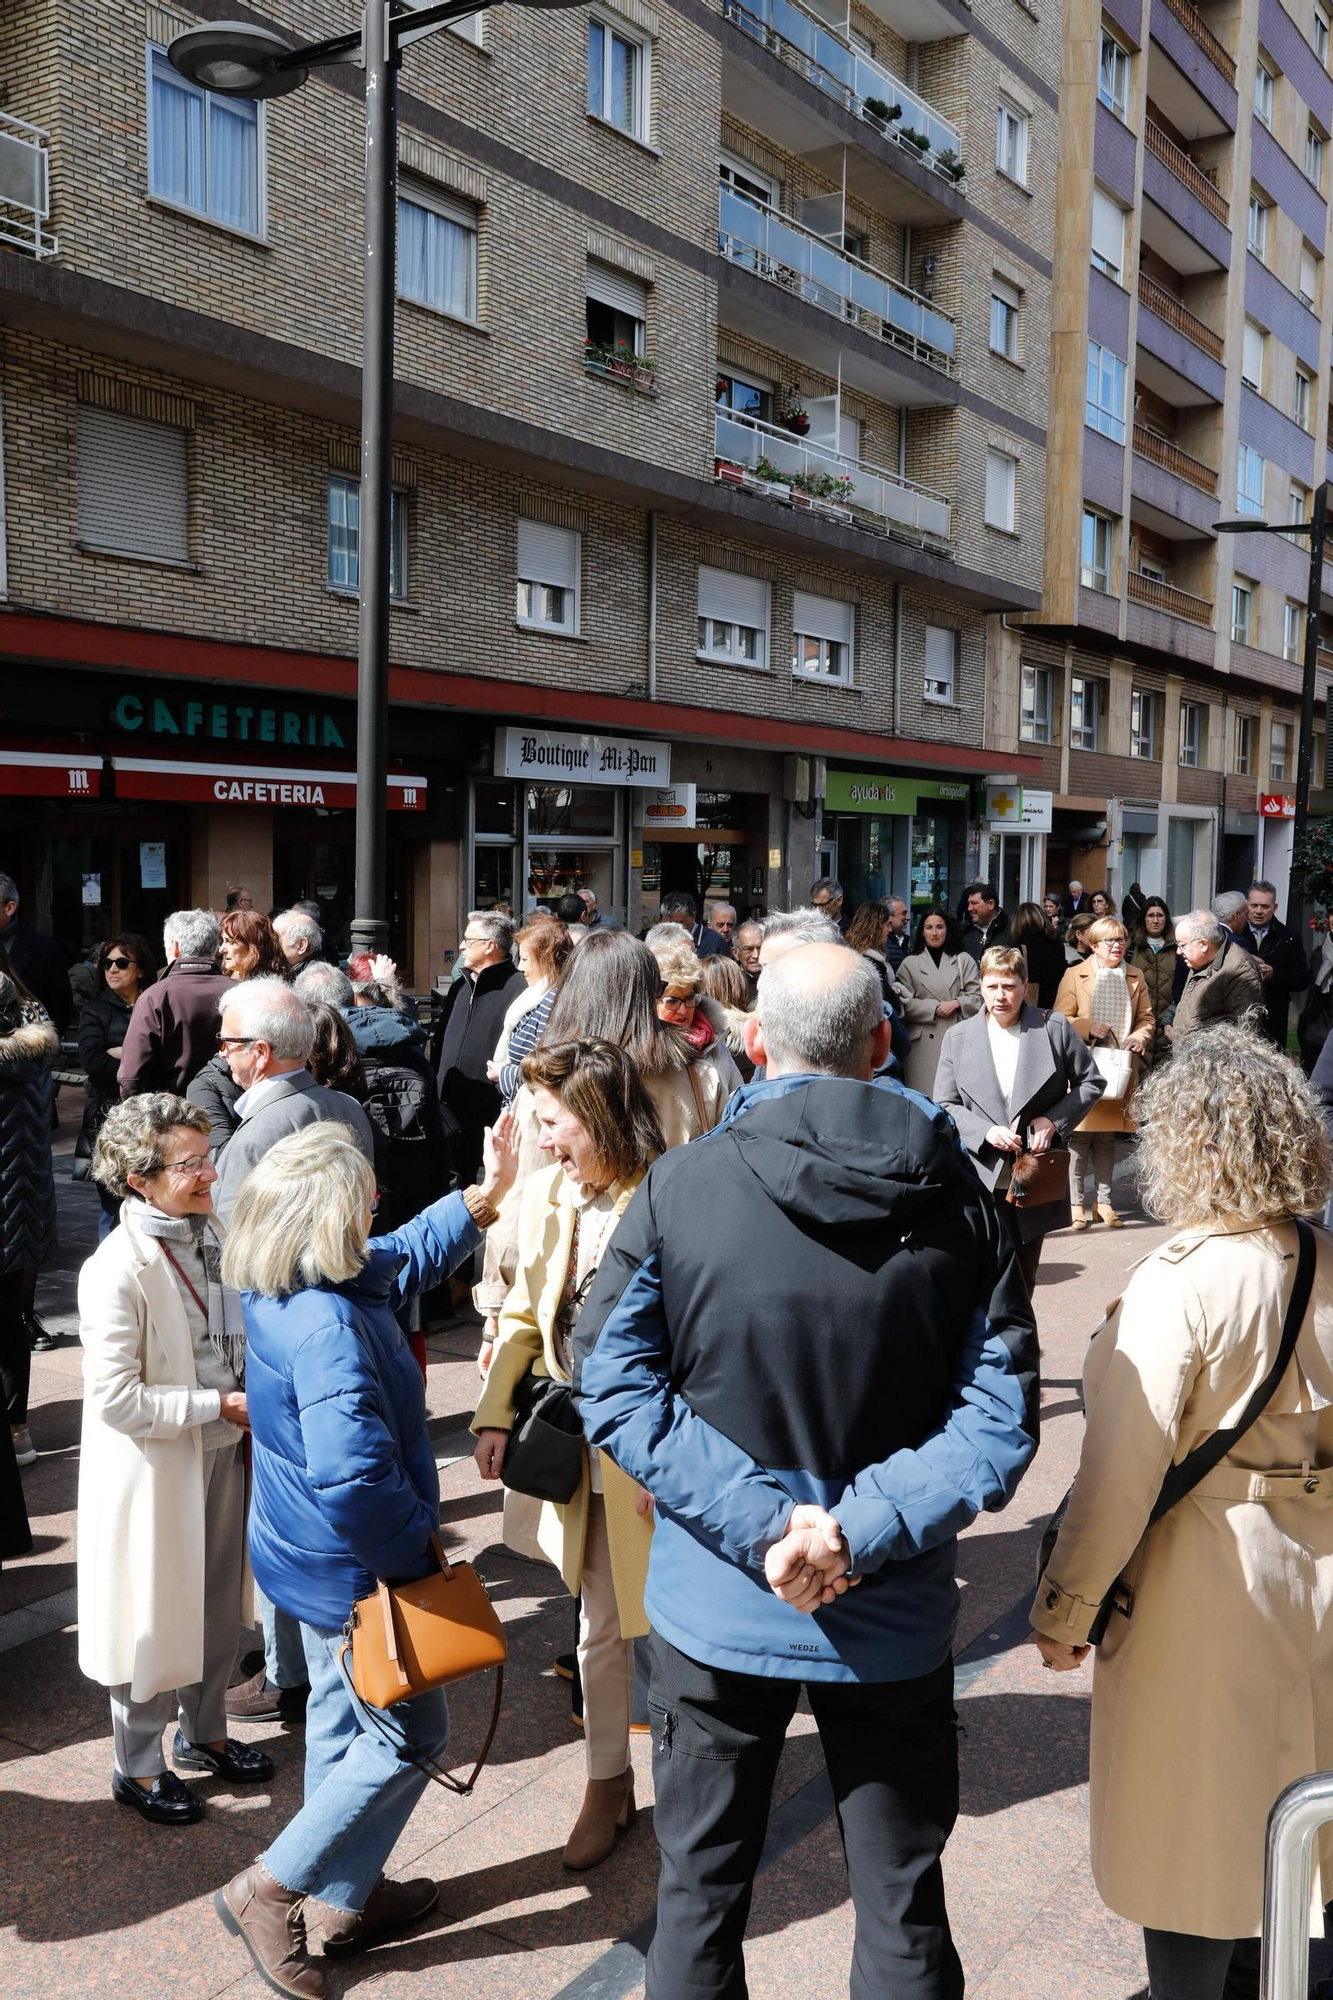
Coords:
523,1038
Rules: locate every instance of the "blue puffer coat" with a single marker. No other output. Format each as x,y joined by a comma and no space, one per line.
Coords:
345,1483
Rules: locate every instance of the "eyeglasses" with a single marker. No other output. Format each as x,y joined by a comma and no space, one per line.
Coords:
188,1170
117,964
236,1041
677,1002
822,902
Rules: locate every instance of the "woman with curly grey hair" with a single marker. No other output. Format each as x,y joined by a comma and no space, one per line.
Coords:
161,1571
1212,1696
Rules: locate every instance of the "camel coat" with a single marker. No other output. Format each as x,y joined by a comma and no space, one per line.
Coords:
141,1488
921,985
1218,1691
1075,1000
526,1341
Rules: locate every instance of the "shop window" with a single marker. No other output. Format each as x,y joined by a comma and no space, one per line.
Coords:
587,809
133,485
549,565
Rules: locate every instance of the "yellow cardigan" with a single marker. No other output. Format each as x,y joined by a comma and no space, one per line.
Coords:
526,1340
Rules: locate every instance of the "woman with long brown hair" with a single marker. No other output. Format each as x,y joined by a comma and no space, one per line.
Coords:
123,968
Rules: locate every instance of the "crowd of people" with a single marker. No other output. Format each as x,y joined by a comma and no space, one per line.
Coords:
761,1462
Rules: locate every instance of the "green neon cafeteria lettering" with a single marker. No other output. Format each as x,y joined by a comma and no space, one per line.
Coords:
333,738
194,717
164,722
220,720
268,726
243,723
129,712
217,719
291,727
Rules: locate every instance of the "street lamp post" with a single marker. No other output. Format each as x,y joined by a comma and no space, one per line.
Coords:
1317,529
234,59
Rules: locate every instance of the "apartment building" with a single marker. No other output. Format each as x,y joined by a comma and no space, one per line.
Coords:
720,442
1160,682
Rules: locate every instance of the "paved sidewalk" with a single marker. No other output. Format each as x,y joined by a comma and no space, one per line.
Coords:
95,1903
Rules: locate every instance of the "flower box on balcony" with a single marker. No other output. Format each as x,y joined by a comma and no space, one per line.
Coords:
729,472
765,483
619,364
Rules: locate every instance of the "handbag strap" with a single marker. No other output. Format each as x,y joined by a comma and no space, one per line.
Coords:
184,1277
692,1072
427,1765
1182,1478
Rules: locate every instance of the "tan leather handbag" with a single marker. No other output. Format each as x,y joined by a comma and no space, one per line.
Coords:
410,1638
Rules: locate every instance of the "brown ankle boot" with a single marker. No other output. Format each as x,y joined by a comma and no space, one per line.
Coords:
270,1922
1108,1215
608,1807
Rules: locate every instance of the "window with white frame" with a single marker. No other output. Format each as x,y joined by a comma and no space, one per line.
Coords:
822,636
1143,712
1263,93
205,152
550,565
1249,481
1293,630
1242,762
1108,235
1105,410
1279,752
1256,227
1319,34
1036,703
133,485
1085,713
1001,490
437,252
1242,613
743,179
941,663
1298,510
1252,356
619,76
1314,156
616,310
1309,277
1302,398
1011,141
1193,727
746,395
344,537
1005,301
1113,75
1098,532
733,617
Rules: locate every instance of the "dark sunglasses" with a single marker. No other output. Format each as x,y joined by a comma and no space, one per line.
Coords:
117,964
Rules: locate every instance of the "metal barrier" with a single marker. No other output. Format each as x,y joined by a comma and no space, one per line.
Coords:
1301,1810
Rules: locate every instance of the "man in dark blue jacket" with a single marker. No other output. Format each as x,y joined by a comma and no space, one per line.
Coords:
834,1406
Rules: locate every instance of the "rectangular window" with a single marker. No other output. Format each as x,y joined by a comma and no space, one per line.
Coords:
1243,762
550,562
618,77
1105,410
205,153
1191,733
1242,613
1252,356
746,394
344,540
1085,713
1011,142
743,179
1005,301
941,662
733,617
1256,227
1314,157
1309,278
1097,531
1001,490
1113,76
1263,95
1302,399
822,634
1143,724
1293,630
1319,35
1108,235
1036,703
1298,509
1249,481
1279,752
437,253
617,309
133,485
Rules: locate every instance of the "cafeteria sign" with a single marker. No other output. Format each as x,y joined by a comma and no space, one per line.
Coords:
872,792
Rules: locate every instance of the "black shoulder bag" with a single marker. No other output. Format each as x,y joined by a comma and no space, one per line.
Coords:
1184,1477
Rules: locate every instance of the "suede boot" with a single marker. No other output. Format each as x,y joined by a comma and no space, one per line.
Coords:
270,1922
391,1907
608,1808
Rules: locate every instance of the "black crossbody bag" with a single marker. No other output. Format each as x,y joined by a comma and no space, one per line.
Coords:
1183,1478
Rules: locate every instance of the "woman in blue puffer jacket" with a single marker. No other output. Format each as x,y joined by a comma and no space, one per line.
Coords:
345,1491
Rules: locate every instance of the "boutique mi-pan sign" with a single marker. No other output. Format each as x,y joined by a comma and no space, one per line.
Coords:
581,760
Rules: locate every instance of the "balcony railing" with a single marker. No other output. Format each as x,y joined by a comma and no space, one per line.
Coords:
1165,597
1185,171
786,253
823,57
1168,307
896,506
1169,456
1190,17
25,198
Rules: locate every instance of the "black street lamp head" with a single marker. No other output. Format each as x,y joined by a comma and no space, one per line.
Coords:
237,60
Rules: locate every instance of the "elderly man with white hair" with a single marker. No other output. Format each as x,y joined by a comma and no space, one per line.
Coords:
172,1032
320,983
300,937
1224,982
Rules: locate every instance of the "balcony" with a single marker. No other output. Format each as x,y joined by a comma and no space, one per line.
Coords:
1172,459
1165,597
25,200
1192,20
1182,166
1168,307
785,253
865,494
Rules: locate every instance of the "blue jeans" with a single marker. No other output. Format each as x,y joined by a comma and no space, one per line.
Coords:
359,1790
109,1213
284,1655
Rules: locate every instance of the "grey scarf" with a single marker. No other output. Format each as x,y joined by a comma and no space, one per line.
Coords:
226,1321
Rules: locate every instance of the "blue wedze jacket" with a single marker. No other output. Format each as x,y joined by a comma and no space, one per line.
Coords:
871,1348
345,1486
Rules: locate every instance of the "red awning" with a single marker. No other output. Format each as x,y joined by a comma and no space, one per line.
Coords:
57,773
255,784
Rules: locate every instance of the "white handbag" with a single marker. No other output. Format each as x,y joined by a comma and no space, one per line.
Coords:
1117,1066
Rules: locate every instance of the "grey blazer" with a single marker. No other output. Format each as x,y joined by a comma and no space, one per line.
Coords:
294,1100
1056,1078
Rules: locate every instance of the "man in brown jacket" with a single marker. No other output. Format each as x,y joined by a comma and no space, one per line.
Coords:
174,1027
1223,984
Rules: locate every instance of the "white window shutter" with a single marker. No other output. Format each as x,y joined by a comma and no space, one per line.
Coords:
1309,273
1252,356
548,555
999,490
733,599
941,646
823,617
1108,229
133,485
617,289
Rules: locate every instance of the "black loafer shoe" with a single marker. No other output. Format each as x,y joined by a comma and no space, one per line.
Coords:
238,1763
40,1338
170,1803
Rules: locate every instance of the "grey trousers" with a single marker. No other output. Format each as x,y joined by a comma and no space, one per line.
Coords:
137,1725
1095,1149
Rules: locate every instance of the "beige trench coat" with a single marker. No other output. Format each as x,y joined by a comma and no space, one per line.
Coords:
921,985
1218,1691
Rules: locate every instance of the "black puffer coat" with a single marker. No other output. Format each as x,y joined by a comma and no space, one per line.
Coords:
215,1090
102,1024
27,1089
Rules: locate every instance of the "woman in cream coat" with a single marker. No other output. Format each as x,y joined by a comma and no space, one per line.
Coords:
1108,1003
597,1123
939,986
1213,1696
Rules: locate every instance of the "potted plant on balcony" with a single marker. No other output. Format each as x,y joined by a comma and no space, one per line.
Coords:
729,472
919,141
767,478
796,419
621,364
823,492
878,111
949,163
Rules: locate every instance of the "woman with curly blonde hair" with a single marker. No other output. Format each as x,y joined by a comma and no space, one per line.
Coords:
1211,1697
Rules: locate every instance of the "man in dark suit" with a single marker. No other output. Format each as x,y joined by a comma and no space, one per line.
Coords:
1077,903
987,923
1282,963
897,943
469,1029
680,908
34,959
